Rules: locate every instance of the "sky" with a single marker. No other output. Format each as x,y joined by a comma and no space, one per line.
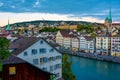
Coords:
75,10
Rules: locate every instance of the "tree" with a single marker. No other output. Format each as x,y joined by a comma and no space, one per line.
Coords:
49,29
4,50
80,27
89,28
93,35
66,69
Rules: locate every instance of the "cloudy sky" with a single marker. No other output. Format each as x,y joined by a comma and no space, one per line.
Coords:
82,10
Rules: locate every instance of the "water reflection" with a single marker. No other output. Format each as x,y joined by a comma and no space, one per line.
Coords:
88,69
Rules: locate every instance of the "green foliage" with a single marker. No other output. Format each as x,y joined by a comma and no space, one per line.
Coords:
80,27
87,27
49,29
52,77
66,69
93,35
4,50
98,28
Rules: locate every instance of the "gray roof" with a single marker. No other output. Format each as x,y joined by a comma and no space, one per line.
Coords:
23,43
13,60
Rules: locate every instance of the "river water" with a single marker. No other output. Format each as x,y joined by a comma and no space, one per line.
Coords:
88,69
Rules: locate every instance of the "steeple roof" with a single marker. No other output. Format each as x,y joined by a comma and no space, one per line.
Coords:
110,16
8,26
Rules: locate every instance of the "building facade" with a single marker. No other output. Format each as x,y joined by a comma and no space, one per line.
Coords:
15,68
41,54
67,39
115,46
87,44
103,45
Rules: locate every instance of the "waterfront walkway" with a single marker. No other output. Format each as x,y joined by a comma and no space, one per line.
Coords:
92,56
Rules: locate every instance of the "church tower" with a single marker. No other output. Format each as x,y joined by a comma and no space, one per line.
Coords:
8,28
108,22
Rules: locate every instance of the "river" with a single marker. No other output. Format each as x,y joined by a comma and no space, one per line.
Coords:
89,69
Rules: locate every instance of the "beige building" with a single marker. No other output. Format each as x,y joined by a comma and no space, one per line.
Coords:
103,45
67,39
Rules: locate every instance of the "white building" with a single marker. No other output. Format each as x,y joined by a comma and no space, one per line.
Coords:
67,39
87,44
115,46
82,43
39,53
90,44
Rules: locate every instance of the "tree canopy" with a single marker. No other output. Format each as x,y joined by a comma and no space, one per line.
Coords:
85,27
4,50
48,29
66,69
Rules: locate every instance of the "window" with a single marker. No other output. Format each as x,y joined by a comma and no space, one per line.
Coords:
45,69
35,61
51,68
58,66
12,70
41,42
25,53
42,50
34,51
43,60
58,57
51,58
51,50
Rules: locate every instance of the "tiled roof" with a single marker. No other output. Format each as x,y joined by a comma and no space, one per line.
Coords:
88,38
23,43
116,24
13,60
68,33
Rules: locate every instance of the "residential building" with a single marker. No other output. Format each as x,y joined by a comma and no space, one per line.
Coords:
103,45
39,53
90,44
115,46
67,39
87,44
15,68
82,40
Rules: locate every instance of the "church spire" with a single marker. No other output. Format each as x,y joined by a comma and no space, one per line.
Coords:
8,26
110,16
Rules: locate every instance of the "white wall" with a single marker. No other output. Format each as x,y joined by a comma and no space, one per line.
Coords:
29,58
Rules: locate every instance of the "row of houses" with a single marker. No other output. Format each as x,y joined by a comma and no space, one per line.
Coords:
102,44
